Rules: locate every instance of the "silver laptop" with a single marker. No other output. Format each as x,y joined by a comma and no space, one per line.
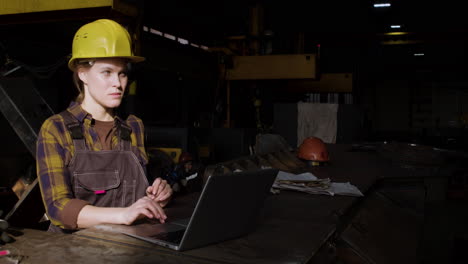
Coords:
228,207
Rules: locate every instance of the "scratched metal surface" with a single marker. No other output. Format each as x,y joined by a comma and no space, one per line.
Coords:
292,228
42,247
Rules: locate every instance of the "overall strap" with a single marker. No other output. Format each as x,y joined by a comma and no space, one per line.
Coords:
124,133
75,129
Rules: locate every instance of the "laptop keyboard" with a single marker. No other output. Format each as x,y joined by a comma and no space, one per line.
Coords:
174,236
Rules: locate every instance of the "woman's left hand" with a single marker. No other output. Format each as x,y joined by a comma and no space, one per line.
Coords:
160,192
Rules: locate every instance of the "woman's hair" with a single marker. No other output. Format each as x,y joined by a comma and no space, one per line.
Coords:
76,79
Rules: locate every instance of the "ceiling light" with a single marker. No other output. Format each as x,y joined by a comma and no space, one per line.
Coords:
395,26
156,32
169,36
382,5
182,41
419,54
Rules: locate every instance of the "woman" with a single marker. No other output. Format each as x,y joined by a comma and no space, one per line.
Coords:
90,162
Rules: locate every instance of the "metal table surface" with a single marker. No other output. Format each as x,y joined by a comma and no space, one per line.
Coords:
292,227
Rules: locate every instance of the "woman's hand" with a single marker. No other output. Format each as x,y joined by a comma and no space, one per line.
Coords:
159,192
143,207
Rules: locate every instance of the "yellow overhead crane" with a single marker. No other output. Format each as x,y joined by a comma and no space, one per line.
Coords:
8,7
38,11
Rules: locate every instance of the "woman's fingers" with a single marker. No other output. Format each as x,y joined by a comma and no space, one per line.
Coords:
146,207
165,193
159,186
159,191
156,184
149,192
156,211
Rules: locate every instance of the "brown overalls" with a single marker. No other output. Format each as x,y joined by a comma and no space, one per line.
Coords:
107,178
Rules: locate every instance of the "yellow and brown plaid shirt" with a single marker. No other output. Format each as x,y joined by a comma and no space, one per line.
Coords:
54,152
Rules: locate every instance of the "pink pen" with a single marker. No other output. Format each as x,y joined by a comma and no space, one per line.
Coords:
100,192
4,252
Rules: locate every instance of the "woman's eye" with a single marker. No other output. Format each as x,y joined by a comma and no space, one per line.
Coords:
123,74
106,72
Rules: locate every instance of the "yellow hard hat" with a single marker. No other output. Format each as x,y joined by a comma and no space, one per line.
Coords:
102,38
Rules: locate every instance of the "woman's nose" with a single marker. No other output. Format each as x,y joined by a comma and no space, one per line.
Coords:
116,81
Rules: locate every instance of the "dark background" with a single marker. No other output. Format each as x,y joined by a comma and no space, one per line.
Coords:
181,93
400,96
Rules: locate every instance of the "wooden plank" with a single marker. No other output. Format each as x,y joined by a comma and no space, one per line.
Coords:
8,7
297,66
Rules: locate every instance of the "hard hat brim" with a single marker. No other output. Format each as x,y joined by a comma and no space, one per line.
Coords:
132,59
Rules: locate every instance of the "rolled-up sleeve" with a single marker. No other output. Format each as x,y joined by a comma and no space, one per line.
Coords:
53,176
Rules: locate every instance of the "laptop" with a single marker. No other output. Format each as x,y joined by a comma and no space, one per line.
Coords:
228,207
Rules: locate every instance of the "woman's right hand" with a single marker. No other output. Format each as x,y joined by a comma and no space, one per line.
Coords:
141,208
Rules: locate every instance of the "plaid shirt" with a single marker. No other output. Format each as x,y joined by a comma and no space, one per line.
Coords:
54,152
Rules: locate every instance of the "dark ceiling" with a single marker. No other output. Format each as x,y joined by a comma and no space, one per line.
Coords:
353,29
439,30
213,20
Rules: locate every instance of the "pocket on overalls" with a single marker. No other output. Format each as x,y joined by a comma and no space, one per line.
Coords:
97,187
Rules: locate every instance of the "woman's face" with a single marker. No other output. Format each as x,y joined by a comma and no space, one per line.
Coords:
105,82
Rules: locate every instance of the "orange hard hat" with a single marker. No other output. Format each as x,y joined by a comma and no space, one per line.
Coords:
313,149
184,157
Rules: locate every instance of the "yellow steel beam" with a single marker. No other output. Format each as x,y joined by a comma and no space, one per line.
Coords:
295,66
328,83
8,7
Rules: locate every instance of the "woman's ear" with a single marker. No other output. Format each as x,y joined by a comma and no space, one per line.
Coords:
83,74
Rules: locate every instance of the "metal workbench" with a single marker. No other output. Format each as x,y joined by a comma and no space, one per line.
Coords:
293,227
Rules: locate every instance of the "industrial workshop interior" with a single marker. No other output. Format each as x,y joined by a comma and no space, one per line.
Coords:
233,93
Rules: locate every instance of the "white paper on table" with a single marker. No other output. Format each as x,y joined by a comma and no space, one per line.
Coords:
338,188
345,188
286,176
310,190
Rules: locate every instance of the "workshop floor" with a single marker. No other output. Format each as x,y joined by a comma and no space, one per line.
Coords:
445,238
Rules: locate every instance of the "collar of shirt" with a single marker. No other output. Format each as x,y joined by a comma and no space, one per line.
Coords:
81,115
91,136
